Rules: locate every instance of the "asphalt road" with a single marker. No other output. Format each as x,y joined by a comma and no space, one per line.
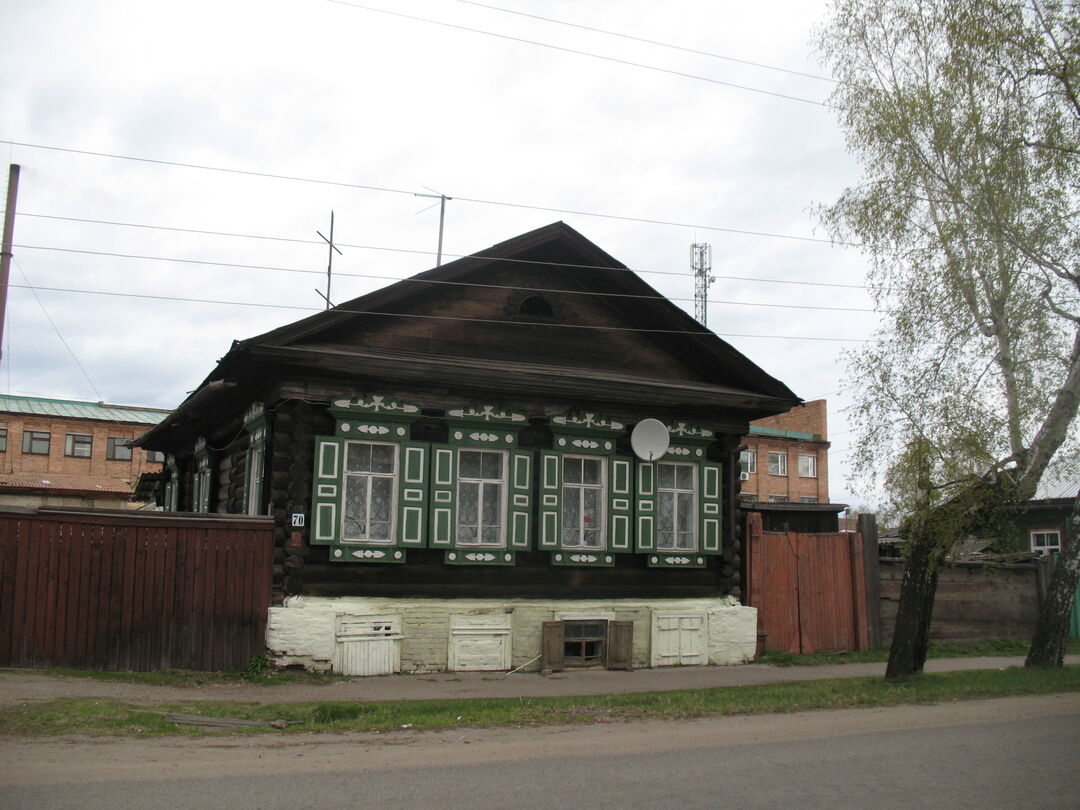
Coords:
1011,752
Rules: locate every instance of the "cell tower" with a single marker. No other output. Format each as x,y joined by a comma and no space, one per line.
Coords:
701,265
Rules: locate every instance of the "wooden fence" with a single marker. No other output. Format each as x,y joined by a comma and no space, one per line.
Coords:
810,589
118,590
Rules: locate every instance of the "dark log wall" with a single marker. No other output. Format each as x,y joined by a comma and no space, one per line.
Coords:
230,474
301,568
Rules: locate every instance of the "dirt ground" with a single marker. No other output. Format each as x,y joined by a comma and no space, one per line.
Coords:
19,685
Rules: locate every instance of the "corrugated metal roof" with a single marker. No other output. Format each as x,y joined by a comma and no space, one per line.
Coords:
74,409
758,430
1061,487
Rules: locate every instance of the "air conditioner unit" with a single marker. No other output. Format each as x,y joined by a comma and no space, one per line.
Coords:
744,476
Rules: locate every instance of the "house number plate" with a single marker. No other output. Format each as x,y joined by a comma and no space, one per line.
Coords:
297,520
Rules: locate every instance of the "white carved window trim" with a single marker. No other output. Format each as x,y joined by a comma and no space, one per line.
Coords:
368,475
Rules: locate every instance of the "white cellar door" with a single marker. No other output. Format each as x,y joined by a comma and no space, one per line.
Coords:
367,645
678,639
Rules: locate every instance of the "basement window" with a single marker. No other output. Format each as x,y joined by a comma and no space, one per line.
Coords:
585,644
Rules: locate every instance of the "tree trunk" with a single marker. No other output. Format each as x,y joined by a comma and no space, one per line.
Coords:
1052,628
911,636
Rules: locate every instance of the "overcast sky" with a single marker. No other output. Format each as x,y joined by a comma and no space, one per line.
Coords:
333,91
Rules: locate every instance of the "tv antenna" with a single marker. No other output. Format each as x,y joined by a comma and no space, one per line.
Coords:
330,260
701,265
442,198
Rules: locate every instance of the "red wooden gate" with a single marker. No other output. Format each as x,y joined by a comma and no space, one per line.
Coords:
105,589
809,589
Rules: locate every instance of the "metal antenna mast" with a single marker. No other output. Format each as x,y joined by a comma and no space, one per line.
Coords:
701,265
330,260
442,198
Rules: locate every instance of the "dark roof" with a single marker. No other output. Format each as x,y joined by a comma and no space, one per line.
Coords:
730,377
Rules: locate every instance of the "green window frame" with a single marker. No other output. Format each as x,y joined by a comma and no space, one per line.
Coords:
255,424
347,467
171,495
485,429
658,529
203,477
585,440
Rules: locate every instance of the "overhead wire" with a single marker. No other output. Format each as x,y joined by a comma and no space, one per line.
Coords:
409,315
52,323
416,251
413,279
578,52
389,190
647,41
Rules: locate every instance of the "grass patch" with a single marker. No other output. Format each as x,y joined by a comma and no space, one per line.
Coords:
193,678
1003,647
105,717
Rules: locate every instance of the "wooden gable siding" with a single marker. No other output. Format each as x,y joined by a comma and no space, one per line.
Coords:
551,342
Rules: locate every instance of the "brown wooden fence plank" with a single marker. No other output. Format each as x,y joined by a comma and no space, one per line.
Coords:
117,591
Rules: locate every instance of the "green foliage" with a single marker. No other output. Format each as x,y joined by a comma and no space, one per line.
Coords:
103,717
965,118
258,665
938,649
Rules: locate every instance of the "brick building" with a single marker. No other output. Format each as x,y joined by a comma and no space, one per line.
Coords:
785,469
56,452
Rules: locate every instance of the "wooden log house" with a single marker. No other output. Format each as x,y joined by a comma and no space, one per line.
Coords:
449,464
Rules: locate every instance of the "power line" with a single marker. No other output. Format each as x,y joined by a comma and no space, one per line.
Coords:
211,263
56,329
388,190
579,52
650,41
343,311
477,256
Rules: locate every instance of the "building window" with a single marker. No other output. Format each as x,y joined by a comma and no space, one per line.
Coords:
778,499
583,497
808,466
118,448
748,460
78,445
777,463
585,643
807,499
35,442
677,512
1045,541
481,488
370,478
3,440
155,456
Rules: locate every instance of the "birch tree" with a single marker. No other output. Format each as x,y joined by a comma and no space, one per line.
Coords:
965,117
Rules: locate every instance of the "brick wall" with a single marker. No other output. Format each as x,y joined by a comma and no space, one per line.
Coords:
809,418
57,462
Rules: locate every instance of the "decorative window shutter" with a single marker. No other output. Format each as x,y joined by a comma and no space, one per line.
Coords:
645,512
550,499
620,646
519,510
620,503
327,490
444,465
552,647
711,499
412,502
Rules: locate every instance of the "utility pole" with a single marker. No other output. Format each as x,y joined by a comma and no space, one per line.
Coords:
330,259
5,255
442,198
701,265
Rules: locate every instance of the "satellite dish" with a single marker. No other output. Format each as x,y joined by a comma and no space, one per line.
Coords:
650,439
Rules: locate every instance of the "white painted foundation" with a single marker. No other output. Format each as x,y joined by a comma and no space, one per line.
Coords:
302,631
